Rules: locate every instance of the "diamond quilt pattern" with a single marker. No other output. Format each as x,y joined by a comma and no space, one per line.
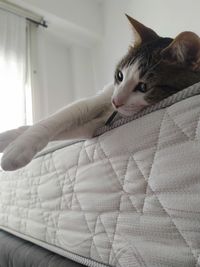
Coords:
130,197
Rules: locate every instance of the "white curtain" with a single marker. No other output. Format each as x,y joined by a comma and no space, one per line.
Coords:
12,71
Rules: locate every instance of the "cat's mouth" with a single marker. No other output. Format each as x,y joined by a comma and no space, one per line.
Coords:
129,110
123,111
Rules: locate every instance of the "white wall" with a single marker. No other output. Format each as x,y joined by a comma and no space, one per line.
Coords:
52,82
72,20
54,73
83,13
63,73
83,71
168,17
117,37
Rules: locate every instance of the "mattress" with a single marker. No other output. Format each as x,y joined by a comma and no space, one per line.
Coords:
128,197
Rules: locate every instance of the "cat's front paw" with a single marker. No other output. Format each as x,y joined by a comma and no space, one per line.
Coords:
6,138
16,155
19,153
9,136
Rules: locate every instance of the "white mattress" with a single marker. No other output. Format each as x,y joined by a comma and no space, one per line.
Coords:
130,197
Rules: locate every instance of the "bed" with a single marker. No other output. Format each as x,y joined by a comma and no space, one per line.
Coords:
16,252
128,197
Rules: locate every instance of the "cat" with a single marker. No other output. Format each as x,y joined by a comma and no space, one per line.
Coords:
153,69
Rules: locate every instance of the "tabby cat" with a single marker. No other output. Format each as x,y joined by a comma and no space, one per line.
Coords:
153,69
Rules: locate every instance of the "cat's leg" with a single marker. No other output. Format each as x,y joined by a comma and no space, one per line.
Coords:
85,131
9,136
66,122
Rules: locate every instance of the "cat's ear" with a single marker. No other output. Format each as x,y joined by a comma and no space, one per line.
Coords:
142,34
184,50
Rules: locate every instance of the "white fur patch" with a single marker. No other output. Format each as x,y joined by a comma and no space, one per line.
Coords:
131,76
130,101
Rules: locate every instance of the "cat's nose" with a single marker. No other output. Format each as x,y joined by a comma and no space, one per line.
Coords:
116,103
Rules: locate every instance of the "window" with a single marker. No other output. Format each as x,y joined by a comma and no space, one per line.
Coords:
15,96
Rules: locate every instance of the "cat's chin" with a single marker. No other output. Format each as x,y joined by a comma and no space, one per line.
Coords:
128,113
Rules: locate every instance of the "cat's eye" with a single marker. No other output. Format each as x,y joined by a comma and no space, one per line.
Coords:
141,87
119,76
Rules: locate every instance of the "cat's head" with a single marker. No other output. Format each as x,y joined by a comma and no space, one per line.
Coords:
155,68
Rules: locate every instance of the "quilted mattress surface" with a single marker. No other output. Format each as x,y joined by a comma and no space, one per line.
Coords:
130,197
